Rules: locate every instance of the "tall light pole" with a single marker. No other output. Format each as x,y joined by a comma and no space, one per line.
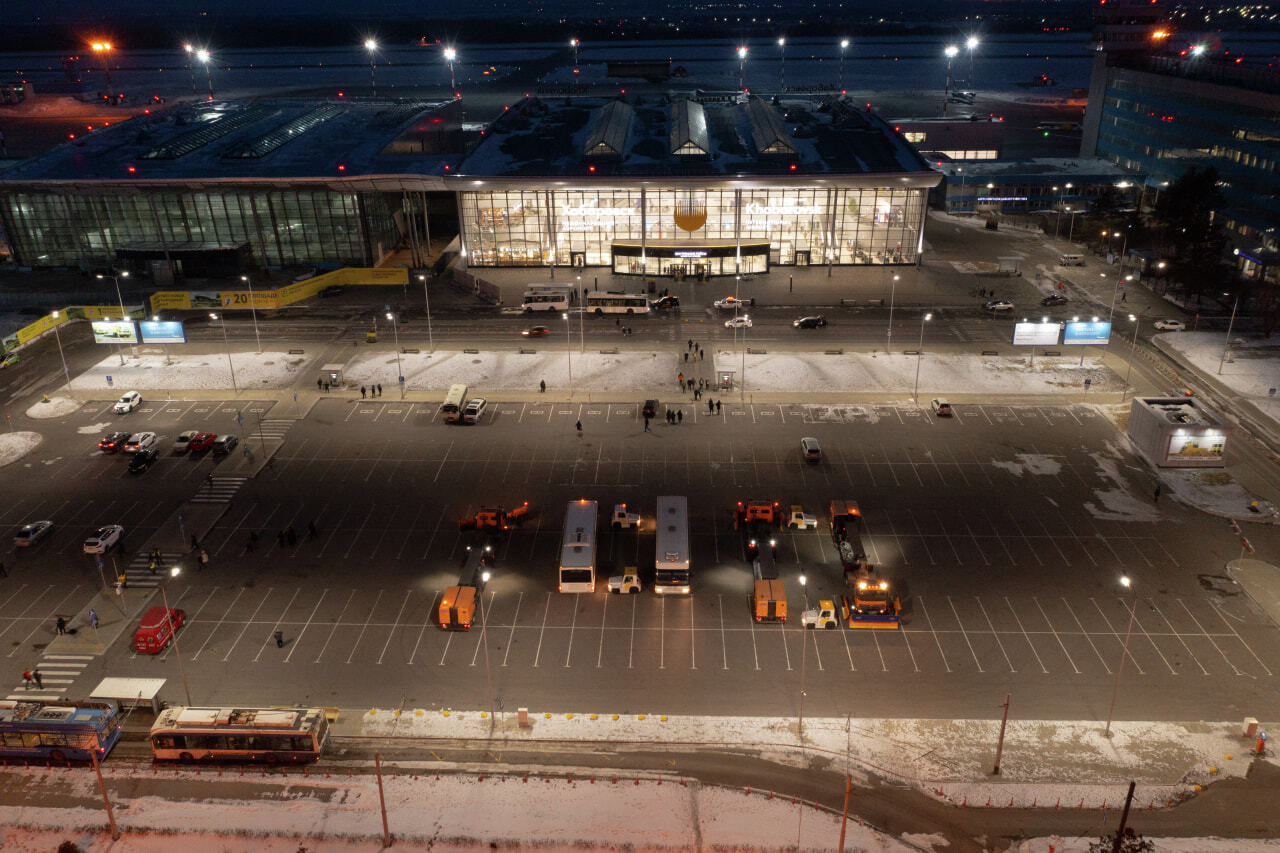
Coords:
253,309
1124,653
203,55
191,50
1133,352
915,394
124,315
431,344
844,44
58,337
235,392
1231,325
568,349
804,646
893,289
782,67
573,43
451,55
972,43
372,46
173,632
582,334
484,638
742,68
155,318
102,49
395,331
950,51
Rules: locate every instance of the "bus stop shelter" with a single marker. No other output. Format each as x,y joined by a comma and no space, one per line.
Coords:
130,691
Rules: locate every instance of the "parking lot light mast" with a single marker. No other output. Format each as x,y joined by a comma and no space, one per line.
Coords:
57,336
484,638
253,309
1124,653
395,331
431,345
191,51
1230,326
1133,352
844,44
203,55
915,394
568,349
782,66
742,68
950,51
124,315
450,56
893,288
173,632
372,46
235,392
804,646
972,44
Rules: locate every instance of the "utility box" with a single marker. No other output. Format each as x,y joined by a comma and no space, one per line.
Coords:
522,717
332,373
1178,432
1250,728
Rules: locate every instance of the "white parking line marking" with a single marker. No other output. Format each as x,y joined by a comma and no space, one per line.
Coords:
276,626
336,623
724,643
1223,617
1210,638
1053,631
427,621
754,650
1138,624
515,617
443,459
941,653
40,623
537,655
298,640
356,536
604,614
923,540
996,634
573,623
1178,634
693,638
1115,633
965,634
248,622
394,625
662,633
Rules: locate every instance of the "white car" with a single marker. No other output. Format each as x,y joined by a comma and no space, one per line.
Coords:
31,533
738,323
140,441
999,305
474,410
130,401
103,539
1171,325
730,302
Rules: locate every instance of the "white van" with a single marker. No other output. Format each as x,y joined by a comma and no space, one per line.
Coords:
1070,260
451,411
474,410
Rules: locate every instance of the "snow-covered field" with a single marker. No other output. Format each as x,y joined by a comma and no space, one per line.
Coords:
1253,372
151,370
15,445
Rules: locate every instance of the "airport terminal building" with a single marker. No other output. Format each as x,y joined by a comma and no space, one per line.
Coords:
679,185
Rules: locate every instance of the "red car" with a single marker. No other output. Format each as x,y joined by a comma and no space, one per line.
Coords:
536,332
202,441
156,629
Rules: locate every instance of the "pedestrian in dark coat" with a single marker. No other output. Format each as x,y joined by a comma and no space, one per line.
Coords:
61,625
680,416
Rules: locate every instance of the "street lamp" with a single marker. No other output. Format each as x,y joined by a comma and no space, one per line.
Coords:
568,349
484,638
804,646
372,46
893,288
972,44
155,318
191,50
950,51
742,67
58,337
450,55
1124,653
427,296
573,43
253,309
124,315
395,330
844,43
235,392
173,632
1132,354
102,48
1231,325
782,68
915,394
204,57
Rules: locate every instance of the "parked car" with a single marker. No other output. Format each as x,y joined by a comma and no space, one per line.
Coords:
666,303
104,539
31,533
140,441
129,401
810,322
112,442
940,407
202,441
182,443
999,305
9,358
730,302
1054,299
1170,325
738,323
536,332
224,444
474,410
142,460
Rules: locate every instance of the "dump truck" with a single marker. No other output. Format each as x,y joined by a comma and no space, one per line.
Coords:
758,520
494,518
869,600
458,606
846,524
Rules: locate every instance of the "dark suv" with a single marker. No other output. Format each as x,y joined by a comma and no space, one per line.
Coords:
665,303
1054,299
810,322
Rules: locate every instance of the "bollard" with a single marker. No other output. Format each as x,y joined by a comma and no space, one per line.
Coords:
637,780
1104,805
659,780
748,790
1034,800
525,779
681,781
1058,804
1151,804
964,801
481,779
326,773
593,780
615,780
1081,803
1011,802
219,771
988,802
771,795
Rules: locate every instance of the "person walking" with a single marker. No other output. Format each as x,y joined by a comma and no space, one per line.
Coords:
701,353
680,416
711,407
646,423
122,581
93,619
312,532
361,392
686,358
61,626
717,407
151,564
327,386
680,379
1157,495
204,558
691,343
279,635
379,389
579,426
319,384
542,387
35,673
26,678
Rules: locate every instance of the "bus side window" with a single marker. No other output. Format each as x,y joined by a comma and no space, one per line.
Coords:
31,739
52,739
14,739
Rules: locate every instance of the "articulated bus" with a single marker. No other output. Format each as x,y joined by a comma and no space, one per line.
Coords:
672,569
617,303
58,731
271,735
578,548
547,297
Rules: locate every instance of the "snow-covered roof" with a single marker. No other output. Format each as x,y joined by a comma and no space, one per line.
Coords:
609,133
767,132
688,137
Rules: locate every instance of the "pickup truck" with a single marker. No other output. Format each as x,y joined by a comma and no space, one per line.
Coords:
628,582
801,520
622,518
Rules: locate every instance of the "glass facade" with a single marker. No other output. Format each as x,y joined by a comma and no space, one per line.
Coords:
283,226
691,227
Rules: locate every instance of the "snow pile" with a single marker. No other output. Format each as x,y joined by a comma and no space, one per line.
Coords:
1214,490
1118,504
152,371
53,407
15,445
1030,463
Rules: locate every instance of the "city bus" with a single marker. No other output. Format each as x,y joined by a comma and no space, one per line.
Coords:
617,303
578,548
270,735
547,297
672,573
58,731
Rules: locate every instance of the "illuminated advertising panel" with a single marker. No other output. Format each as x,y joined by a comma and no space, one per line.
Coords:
1086,334
1035,334
114,332
163,332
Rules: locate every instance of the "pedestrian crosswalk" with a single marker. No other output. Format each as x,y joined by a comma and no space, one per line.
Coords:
140,574
271,429
218,490
51,678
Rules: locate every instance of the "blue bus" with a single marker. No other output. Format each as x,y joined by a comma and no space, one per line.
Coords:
58,731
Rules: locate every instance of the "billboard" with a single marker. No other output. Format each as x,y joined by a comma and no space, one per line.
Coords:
1087,334
1035,334
114,332
163,332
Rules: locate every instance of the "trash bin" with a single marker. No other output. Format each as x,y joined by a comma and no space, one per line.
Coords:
371,337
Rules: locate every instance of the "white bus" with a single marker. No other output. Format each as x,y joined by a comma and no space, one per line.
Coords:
578,548
451,411
617,303
547,297
272,735
672,573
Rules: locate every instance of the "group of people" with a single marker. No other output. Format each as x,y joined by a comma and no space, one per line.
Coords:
373,390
